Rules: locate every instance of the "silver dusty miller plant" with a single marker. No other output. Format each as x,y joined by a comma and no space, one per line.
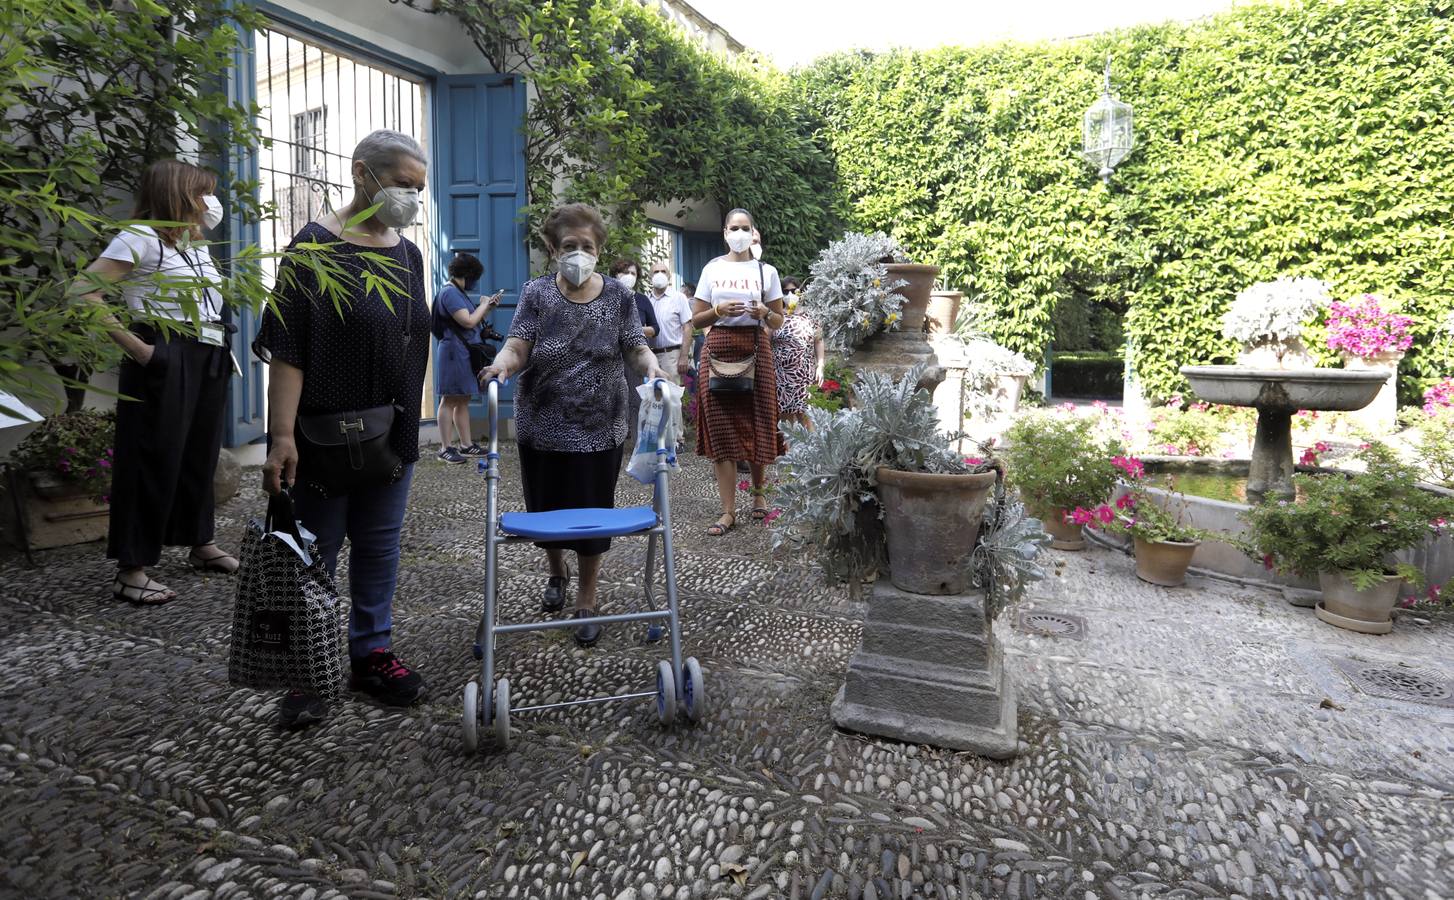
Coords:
850,295
827,497
1006,558
1273,313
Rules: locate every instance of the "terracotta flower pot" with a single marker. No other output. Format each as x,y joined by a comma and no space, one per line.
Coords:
943,311
1063,535
56,513
1164,562
931,523
920,280
1369,612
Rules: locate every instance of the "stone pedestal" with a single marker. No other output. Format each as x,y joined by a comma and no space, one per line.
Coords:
895,353
929,671
1381,416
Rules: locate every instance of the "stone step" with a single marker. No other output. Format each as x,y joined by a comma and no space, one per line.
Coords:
923,689
947,647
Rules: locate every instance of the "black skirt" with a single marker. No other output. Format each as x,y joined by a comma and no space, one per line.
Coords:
558,479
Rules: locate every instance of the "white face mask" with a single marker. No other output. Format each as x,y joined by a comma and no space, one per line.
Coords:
628,281
739,240
659,280
757,251
212,212
576,266
399,205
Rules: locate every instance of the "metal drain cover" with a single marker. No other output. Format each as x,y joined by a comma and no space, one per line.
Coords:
1050,624
1411,684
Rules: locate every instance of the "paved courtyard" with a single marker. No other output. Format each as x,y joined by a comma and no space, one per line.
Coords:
1196,742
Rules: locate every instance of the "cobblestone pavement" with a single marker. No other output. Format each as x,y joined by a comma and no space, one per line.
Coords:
1202,741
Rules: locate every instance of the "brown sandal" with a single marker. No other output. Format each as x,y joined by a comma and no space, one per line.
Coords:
717,529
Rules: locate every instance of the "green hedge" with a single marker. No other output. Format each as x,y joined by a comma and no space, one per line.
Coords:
1084,376
1303,138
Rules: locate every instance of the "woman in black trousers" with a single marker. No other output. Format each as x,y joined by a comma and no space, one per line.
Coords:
173,381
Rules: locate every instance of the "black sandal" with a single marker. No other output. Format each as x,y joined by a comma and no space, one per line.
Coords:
759,512
213,563
554,599
142,594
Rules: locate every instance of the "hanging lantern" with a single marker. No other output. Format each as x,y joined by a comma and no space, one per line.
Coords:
1107,131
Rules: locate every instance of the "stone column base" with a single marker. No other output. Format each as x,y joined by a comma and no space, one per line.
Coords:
929,671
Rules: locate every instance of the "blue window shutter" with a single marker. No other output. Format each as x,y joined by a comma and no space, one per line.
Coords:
701,247
245,418
479,185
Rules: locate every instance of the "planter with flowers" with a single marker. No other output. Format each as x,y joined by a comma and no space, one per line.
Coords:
876,485
1059,463
831,393
1370,338
1268,319
1163,543
64,479
1346,530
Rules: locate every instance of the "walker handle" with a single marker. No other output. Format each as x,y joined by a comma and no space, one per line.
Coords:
492,390
659,389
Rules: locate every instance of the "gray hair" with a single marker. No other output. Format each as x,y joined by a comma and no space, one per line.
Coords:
380,150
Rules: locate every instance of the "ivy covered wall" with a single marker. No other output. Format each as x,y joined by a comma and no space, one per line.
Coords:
1300,138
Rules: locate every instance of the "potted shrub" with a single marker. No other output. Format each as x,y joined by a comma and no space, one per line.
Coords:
1344,529
1369,338
994,376
1059,462
851,294
1268,318
878,484
64,469
831,393
1163,544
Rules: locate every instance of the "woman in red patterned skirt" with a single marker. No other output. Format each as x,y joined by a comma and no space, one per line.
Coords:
739,298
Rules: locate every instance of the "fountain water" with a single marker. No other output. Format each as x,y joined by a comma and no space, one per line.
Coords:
1277,394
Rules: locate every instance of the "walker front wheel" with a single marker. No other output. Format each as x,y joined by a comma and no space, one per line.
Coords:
666,693
694,697
502,714
471,718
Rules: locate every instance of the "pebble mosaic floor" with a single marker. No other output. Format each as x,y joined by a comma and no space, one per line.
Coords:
1206,741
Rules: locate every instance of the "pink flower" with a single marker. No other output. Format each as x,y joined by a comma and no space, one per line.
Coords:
1439,396
1309,458
973,461
70,451
1082,516
105,498
1322,446
744,485
771,516
1100,405
104,463
1170,449
1126,501
1363,329
1130,465
1105,514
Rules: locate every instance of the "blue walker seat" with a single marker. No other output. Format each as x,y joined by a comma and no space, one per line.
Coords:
576,524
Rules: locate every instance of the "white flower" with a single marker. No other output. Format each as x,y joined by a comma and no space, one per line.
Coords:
1274,311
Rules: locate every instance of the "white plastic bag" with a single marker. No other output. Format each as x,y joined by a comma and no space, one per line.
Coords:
658,415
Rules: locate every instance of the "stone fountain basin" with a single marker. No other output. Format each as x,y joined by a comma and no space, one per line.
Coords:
1286,389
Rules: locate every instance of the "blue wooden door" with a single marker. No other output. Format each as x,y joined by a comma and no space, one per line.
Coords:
479,184
246,412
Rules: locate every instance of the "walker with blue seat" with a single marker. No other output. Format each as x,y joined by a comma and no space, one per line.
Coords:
678,681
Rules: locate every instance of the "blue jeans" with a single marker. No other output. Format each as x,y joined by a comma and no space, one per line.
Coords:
371,519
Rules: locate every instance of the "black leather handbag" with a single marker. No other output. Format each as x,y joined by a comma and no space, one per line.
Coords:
341,451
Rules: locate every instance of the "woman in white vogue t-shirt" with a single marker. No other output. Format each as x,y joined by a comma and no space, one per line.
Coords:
739,298
173,381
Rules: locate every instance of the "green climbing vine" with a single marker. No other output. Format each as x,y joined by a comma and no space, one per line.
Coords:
625,110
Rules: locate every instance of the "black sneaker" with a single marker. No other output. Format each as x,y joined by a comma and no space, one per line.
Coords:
298,709
472,450
383,676
451,456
